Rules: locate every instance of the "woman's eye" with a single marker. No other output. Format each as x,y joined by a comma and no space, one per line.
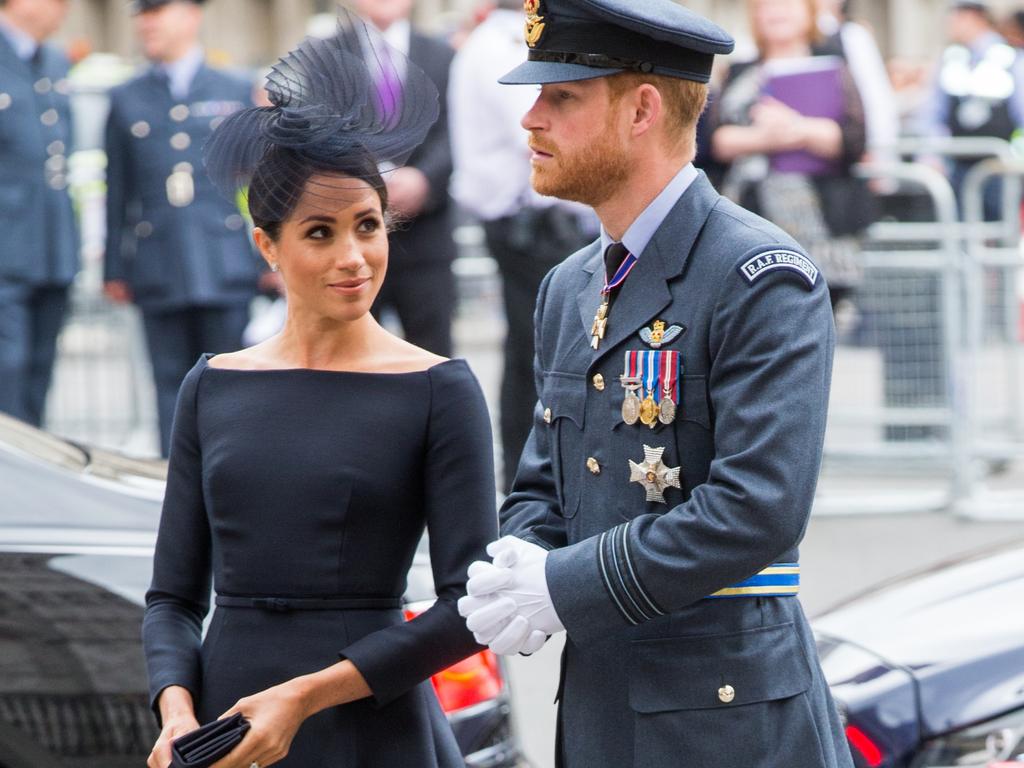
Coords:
369,225
318,233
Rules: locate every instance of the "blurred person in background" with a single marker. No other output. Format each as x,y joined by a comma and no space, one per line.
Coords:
977,90
1013,29
39,256
790,167
856,44
526,234
175,247
420,287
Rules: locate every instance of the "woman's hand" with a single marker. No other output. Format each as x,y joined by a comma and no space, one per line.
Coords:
274,717
174,727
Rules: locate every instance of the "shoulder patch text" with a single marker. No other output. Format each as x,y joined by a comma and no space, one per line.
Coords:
756,267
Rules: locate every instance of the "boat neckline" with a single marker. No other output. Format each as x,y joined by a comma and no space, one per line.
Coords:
207,355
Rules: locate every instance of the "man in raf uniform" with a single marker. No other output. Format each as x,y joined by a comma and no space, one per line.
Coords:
39,256
683,366
175,247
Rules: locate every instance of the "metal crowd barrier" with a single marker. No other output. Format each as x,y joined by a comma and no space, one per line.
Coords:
934,412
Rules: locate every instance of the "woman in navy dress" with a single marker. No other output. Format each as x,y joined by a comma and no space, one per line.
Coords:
304,470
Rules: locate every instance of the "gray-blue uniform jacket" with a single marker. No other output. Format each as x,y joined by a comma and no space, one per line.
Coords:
654,673
170,234
40,239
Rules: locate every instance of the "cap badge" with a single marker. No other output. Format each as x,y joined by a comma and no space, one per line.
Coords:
534,22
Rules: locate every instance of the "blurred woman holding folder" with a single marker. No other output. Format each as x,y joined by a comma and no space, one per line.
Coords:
304,470
791,126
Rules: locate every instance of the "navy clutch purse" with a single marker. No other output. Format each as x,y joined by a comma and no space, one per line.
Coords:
207,744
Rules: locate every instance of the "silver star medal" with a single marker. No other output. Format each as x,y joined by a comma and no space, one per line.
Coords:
653,475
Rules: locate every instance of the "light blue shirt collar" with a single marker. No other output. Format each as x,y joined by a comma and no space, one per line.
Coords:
24,44
182,72
653,216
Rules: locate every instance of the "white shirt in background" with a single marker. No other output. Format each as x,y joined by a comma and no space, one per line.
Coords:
489,146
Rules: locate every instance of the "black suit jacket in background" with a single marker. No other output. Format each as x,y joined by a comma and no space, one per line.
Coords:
428,237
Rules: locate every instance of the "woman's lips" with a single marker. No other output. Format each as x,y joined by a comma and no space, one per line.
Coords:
349,287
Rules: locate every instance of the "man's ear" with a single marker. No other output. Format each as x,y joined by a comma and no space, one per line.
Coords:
648,108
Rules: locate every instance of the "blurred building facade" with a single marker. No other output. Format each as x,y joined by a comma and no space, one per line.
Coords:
251,33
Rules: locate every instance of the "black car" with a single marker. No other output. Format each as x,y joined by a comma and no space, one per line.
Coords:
77,529
928,670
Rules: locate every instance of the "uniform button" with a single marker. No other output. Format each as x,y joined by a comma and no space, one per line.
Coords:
5,101
726,694
183,168
58,181
62,86
49,117
140,130
547,415
234,222
599,383
43,85
55,148
181,140
593,466
179,113
143,229
215,123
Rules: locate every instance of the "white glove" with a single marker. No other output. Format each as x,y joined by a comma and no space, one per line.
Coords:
518,573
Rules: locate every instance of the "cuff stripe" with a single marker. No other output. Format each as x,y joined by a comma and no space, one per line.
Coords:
618,553
607,581
626,546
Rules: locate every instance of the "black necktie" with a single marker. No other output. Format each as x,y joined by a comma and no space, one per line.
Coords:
614,255
35,61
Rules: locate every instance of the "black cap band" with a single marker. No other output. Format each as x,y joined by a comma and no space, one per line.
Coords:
594,44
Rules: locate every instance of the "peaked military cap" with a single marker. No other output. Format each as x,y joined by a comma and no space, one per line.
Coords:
141,6
584,39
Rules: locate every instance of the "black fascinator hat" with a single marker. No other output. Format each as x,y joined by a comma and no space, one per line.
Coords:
345,108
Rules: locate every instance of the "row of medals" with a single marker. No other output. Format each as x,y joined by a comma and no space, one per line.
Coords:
647,411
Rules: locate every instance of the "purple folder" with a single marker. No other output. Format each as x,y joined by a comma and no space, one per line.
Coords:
813,87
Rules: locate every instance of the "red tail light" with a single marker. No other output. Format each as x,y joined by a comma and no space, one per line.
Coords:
471,681
865,747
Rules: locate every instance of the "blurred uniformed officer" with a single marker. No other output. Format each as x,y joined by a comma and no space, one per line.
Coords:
979,90
175,247
39,250
683,366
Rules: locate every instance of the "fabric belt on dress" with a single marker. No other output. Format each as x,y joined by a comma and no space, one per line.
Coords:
286,604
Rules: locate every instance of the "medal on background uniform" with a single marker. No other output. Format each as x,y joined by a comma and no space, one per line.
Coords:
181,189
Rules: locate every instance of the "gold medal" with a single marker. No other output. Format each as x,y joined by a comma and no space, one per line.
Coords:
600,324
649,411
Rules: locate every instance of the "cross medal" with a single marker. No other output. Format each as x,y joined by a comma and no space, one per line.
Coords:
597,330
600,323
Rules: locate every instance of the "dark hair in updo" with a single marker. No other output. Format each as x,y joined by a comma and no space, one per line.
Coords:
280,180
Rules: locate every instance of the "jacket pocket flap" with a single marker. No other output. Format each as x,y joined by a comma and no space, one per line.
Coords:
566,396
717,671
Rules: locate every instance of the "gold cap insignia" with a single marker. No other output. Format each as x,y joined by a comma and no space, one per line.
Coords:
534,22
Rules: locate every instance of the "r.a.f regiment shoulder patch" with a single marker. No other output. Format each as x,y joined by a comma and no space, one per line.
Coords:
756,267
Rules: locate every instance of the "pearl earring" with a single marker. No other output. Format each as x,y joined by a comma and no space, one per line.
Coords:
274,268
